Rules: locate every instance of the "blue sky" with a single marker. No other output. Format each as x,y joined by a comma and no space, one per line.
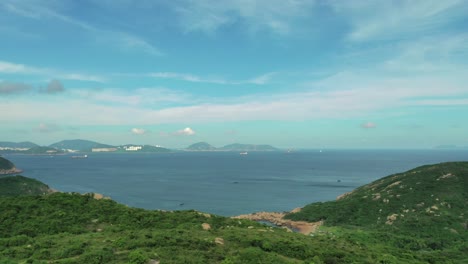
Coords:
291,73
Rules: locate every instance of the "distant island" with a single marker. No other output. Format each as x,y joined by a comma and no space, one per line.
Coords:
203,146
87,146
200,146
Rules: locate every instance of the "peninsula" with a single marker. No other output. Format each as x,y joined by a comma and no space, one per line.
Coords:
7,167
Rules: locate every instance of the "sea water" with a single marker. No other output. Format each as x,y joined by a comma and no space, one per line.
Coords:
225,183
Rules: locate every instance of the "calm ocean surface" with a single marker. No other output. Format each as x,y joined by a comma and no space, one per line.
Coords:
225,183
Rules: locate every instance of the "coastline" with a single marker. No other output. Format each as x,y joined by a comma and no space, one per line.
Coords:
11,171
277,219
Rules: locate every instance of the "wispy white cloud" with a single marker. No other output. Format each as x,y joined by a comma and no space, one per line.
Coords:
185,77
17,68
9,67
422,56
383,20
138,131
47,128
277,16
262,79
130,42
185,132
83,77
259,80
122,40
346,95
140,96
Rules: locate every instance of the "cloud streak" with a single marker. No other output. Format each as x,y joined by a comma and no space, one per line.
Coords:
47,128
376,20
276,16
359,97
22,69
122,40
187,77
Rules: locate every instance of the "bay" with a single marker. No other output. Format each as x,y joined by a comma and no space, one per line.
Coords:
225,183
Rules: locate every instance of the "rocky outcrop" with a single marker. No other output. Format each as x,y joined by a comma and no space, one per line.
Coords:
13,170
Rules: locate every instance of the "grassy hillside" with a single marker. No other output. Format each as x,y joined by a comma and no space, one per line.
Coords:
19,185
75,228
429,202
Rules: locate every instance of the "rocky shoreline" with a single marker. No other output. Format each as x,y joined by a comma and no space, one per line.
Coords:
10,171
277,219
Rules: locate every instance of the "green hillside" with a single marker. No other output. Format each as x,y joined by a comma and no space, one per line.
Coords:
429,202
7,167
75,228
19,185
6,164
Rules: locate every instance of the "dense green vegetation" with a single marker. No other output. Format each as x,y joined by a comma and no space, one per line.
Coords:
6,164
19,185
75,228
427,207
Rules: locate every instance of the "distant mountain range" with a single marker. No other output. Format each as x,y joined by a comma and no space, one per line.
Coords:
80,145
203,146
75,145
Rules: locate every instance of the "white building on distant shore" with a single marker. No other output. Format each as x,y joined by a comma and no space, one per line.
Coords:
132,148
16,149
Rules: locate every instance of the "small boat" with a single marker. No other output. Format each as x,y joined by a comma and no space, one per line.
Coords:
243,153
80,157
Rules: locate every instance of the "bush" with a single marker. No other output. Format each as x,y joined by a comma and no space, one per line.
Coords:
137,257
